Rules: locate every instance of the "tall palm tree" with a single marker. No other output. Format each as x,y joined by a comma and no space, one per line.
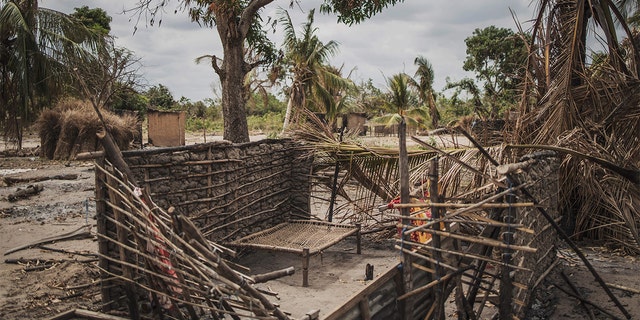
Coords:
313,80
423,83
35,45
403,100
331,94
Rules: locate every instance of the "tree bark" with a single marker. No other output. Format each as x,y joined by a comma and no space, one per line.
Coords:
234,111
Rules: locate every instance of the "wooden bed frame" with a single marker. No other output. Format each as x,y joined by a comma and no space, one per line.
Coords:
303,237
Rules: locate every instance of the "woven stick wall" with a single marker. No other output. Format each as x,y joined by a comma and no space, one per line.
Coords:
160,266
493,250
228,191
159,256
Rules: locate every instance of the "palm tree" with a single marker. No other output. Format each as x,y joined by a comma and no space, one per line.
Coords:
332,94
404,101
423,83
314,82
35,46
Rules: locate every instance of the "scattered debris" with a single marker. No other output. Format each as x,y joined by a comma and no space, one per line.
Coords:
9,181
25,193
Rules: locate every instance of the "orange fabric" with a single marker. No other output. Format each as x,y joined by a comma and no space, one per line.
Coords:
417,236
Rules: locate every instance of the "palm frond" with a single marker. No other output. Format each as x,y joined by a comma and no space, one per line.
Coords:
590,110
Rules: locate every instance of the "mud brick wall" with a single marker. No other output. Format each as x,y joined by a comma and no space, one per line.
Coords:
543,173
228,190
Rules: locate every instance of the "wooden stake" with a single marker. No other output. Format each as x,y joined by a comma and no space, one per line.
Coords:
403,167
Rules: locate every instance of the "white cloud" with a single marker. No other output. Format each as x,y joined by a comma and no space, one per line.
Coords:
380,47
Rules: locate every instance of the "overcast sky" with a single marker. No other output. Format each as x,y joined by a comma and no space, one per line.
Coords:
377,48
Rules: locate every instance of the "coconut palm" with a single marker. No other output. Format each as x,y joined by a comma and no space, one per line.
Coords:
35,46
314,83
404,101
423,83
332,94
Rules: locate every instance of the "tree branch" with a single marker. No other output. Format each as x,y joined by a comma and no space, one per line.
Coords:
248,15
249,66
215,66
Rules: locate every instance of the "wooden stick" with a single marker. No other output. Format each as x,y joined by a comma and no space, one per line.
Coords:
13,180
555,225
429,259
577,292
460,205
544,274
462,254
80,233
260,278
432,283
84,254
627,289
476,239
231,275
464,210
583,300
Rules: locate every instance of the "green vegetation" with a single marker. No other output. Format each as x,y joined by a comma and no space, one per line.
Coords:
107,76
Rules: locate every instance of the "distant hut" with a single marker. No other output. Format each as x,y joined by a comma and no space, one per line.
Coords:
356,122
166,128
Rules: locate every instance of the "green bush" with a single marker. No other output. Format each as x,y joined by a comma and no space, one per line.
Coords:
268,123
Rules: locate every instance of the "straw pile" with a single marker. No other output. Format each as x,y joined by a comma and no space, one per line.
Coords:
70,128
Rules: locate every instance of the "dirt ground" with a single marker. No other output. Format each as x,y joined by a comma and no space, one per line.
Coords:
39,290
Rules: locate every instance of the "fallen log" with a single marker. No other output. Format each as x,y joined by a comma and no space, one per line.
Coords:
9,181
260,278
25,193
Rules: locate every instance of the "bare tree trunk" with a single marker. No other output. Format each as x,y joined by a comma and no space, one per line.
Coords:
287,115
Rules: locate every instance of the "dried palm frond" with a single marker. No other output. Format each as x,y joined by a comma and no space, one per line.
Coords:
370,174
591,110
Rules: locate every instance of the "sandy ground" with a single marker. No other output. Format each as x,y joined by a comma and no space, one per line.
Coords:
66,205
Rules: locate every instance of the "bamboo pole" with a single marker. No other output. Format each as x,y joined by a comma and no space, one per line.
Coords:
477,239
463,254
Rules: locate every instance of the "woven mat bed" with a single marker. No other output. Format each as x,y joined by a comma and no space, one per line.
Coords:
296,235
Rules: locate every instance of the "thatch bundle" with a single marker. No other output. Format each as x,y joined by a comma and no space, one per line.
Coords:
70,128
